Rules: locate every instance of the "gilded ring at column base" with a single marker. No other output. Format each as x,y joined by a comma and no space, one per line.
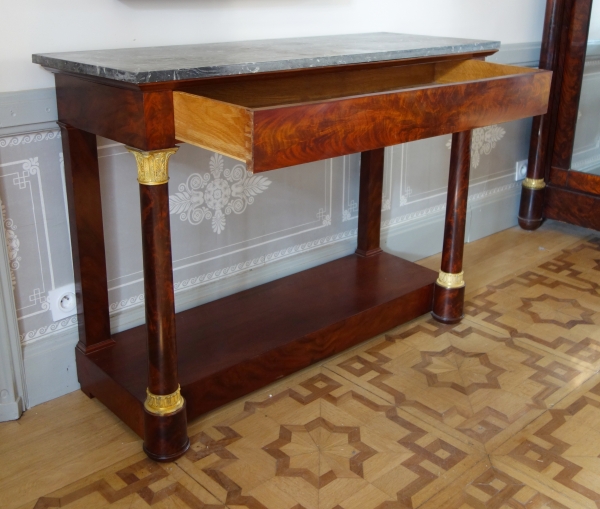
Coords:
534,184
450,281
162,405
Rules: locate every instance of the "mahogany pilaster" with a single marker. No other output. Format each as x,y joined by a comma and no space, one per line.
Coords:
449,292
572,79
87,239
531,209
165,423
369,202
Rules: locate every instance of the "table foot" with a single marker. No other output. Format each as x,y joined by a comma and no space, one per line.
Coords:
532,204
448,304
165,436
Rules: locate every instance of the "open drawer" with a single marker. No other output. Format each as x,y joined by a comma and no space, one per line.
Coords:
284,121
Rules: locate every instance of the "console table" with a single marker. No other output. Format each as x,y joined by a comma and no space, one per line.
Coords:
270,104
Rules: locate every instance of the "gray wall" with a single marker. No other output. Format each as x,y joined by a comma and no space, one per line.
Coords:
265,226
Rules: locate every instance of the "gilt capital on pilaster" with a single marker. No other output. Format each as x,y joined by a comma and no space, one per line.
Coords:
153,165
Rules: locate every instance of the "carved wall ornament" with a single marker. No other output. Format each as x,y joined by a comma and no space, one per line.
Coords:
12,245
217,194
483,142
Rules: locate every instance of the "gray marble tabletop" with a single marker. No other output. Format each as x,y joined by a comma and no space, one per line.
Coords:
167,63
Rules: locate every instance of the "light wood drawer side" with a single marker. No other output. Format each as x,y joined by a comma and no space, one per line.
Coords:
213,125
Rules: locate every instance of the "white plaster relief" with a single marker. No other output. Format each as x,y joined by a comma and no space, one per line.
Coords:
483,142
12,244
13,141
212,198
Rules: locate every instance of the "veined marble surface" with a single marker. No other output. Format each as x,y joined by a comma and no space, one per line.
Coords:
167,63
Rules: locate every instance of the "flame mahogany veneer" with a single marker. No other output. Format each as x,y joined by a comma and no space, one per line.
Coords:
235,345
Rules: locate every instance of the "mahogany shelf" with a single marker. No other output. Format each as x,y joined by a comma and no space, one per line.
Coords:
235,345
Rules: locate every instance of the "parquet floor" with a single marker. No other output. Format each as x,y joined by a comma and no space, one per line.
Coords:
499,411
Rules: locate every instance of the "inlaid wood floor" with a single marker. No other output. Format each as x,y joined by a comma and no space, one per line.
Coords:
499,411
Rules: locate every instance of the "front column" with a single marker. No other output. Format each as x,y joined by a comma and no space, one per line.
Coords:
449,291
165,423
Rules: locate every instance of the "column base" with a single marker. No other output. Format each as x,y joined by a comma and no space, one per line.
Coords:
448,304
530,224
531,208
165,436
370,252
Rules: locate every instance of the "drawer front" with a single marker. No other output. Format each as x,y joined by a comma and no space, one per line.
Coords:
297,134
459,96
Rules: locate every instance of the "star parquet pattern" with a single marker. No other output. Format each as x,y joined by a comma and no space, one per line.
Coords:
501,411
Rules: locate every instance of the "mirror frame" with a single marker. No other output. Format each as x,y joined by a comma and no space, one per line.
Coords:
552,189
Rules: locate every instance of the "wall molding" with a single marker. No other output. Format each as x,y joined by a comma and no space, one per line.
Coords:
12,374
27,111
524,53
48,353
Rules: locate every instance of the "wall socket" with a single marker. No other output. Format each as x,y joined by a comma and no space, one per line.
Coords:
521,169
63,302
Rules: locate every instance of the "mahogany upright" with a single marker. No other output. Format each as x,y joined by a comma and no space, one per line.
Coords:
165,436
532,195
87,238
369,202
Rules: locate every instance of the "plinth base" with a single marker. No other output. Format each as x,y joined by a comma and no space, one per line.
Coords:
233,346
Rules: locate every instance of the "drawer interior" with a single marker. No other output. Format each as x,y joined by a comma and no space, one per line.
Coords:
248,118
280,91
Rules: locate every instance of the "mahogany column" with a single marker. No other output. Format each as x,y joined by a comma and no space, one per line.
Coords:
87,239
449,291
165,423
532,195
369,202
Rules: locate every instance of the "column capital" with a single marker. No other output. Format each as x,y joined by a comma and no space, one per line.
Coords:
153,165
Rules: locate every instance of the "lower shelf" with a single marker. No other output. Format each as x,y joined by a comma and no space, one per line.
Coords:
238,344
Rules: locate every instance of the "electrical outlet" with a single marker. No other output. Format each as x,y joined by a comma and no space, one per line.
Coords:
521,169
63,302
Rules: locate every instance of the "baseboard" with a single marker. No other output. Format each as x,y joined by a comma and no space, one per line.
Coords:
11,411
493,214
50,369
400,239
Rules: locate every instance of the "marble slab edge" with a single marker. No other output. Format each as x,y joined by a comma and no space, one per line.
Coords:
140,77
